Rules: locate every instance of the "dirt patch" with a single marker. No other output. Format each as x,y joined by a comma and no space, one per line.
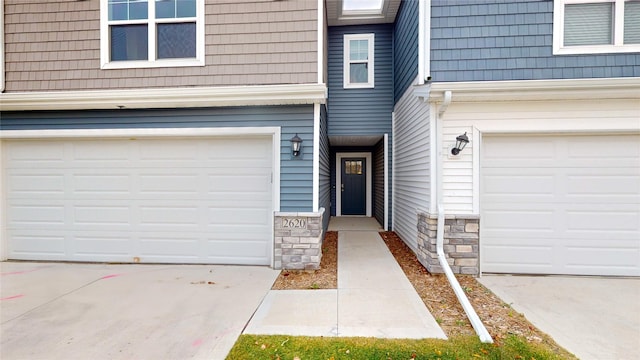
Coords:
325,278
434,289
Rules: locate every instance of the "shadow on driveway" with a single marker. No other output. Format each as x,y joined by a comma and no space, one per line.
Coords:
100,311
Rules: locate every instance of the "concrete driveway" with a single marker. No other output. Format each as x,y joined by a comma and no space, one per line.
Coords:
99,311
594,318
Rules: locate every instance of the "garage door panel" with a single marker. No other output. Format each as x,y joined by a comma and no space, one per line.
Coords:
167,217
538,256
616,185
157,200
101,183
38,245
617,221
104,216
26,215
107,246
182,150
169,183
103,153
31,154
536,221
523,185
590,211
26,184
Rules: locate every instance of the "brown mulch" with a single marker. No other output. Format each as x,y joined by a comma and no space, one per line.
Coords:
434,289
324,278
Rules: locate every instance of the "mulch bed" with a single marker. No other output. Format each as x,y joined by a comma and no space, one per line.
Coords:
324,278
434,289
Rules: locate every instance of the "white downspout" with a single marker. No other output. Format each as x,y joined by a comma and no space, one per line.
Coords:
477,324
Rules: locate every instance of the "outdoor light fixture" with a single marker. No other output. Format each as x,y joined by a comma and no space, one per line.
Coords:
461,142
296,145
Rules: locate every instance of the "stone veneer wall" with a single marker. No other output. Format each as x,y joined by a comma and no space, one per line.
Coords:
298,240
461,237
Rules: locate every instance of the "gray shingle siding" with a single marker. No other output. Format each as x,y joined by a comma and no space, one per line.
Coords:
405,47
296,176
485,40
361,111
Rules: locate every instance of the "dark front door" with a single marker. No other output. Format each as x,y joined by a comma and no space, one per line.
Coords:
353,187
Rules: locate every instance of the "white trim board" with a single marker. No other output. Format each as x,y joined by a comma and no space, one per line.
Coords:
369,179
166,97
573,89
316,157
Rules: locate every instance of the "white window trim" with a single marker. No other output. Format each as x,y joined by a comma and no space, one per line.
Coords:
616,47
105,63
371,40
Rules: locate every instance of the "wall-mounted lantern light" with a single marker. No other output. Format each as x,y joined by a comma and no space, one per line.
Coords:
296,145
461,142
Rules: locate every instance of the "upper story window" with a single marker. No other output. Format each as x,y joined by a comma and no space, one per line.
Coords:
596,26
151,33
358,61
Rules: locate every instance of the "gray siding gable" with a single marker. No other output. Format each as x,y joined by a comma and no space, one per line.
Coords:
296,175
491,40
360,111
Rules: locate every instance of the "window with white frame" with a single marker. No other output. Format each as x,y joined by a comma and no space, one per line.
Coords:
151,33
596,26
358,61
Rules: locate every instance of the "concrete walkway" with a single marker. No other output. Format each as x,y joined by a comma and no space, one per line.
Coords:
374,298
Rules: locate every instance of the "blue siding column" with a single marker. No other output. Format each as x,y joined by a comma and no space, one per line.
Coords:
361,111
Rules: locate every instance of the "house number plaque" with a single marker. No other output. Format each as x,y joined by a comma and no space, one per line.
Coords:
294,223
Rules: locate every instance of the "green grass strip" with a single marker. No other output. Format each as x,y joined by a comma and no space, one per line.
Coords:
256,347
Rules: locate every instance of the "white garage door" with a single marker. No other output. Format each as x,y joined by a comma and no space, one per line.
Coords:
189,200
561,204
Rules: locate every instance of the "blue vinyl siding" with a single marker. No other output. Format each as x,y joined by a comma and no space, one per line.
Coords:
325,168
361,111
485,40
405,47
296,176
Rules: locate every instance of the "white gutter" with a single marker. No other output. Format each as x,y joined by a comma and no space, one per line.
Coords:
291,94
477,324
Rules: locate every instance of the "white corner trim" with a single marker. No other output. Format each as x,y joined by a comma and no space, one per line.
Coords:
424,41
321,35
475,166
2,65
165,97
572,89
369,179
316,157
386,181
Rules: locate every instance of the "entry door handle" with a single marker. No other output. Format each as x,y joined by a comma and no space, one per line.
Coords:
342,187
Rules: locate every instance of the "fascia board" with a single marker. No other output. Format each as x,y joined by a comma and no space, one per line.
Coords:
165,97
573,89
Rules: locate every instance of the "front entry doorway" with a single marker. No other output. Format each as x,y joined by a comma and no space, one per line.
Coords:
354,186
